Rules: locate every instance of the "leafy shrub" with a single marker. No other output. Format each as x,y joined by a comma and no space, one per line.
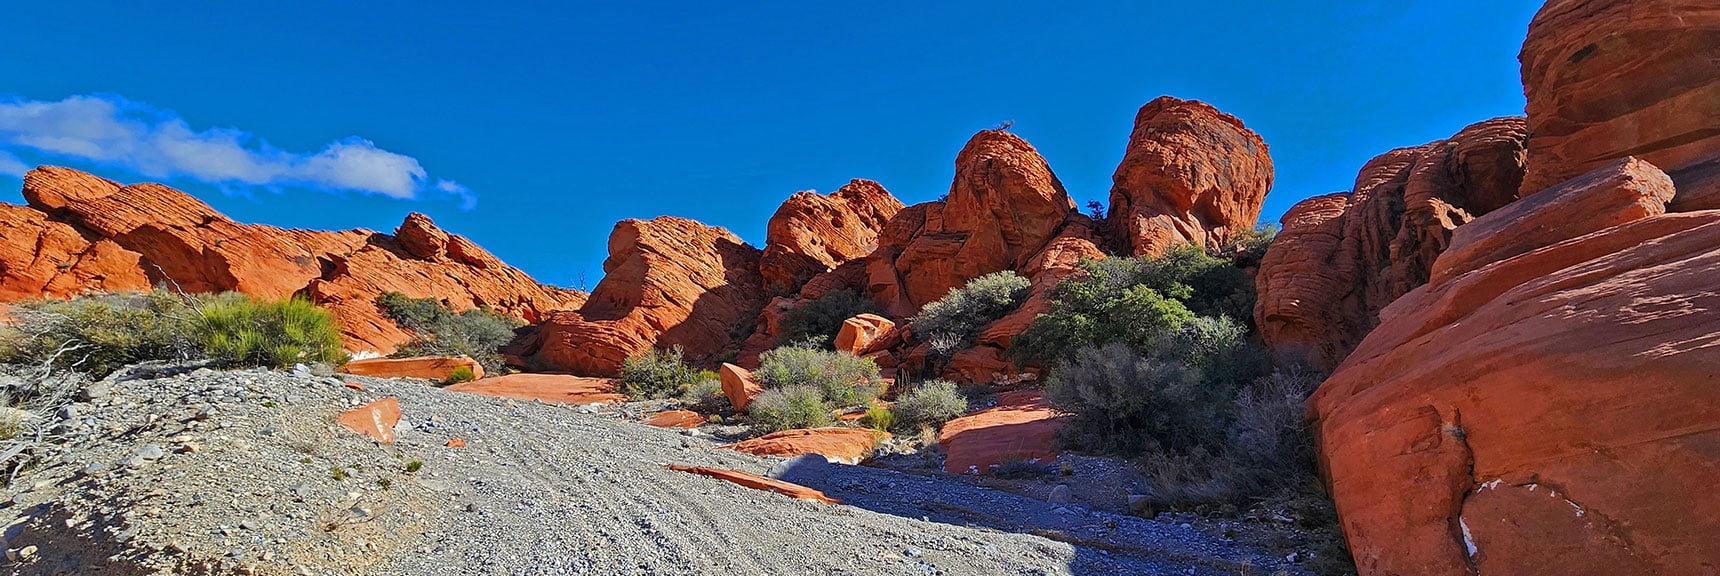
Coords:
962,313
461,374
707,391
438,331
238,330
99,333
841,378
790,408
879,418
1246,248
1124,402
931,404
820,319
658,373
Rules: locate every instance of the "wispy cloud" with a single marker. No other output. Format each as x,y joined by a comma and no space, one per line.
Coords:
156,143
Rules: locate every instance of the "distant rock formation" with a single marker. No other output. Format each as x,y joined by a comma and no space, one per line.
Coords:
811,233
1191,175
82,233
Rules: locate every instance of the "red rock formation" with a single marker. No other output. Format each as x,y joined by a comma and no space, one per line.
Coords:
668,282
1610,78
860,331
376,419
1191,174
1004,205
546,388
427,367
757,482
1548,408
1021,428
810,234
1341,258
739,386
839,445
88,233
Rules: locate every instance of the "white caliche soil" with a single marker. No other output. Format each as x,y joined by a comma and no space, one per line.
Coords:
236,473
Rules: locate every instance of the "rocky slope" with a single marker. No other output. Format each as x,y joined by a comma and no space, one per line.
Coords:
81,233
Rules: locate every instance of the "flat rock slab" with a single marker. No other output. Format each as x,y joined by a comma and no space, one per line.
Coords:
428,367
1021,428
546,388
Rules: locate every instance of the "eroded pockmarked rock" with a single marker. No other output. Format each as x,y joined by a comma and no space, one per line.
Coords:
810,234
1191,175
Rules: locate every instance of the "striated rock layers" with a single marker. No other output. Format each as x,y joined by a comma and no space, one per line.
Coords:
1607,79
1340,258
811,233
668,282
1191,174
1547,404
84,233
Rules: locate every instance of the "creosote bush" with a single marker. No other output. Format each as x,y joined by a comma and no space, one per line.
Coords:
841,379
930,403
961,314
438,331
820,319
789,408
657,373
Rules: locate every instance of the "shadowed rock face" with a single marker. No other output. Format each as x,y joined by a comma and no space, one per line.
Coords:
668,282
82,233
1191,175
1547,404
1607,79
810,234
1340,258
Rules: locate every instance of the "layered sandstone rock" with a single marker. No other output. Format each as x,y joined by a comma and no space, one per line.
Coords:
739,386
546,388
1191,175
1341,258
1612,78
86,233
757,482
1004,205
1547,405
668,282
810,234
427,367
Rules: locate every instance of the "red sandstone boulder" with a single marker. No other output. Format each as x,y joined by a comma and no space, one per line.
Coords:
427,367
810,234
1607,79
1022,427
860,331
838,445
1546,406
546,388
455,443
1341,258
757,482
376,419
676,419
668,282
1191,174
739,385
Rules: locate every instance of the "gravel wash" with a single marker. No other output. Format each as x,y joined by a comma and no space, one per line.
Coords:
245,472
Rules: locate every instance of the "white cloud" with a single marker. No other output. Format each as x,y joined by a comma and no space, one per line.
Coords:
113,131
11,166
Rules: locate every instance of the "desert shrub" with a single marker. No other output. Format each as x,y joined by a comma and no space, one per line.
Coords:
843,379
238,330
879,418
930,404
820,319
1246,248
656,373
1124,402
438,331
100,333
707,391
790,408
962,313
461,374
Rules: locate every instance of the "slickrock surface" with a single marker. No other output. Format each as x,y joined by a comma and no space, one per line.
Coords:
246,472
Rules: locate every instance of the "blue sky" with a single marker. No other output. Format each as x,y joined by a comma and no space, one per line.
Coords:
532,129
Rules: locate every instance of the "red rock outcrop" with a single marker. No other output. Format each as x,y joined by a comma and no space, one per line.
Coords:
859,332
546,388
1341,258
1004,205
1191,174
739,386
95,234
1607,79
1544,406
757,482
376,419
839,445
1022,427
810,234
428,367
668,282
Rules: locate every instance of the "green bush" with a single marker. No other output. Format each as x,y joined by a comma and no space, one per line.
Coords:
930,403
100,333
438,331
961,314
658,373
841,378
237,330
707,391
1123,402
819,320
790,408
461,374
879,418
